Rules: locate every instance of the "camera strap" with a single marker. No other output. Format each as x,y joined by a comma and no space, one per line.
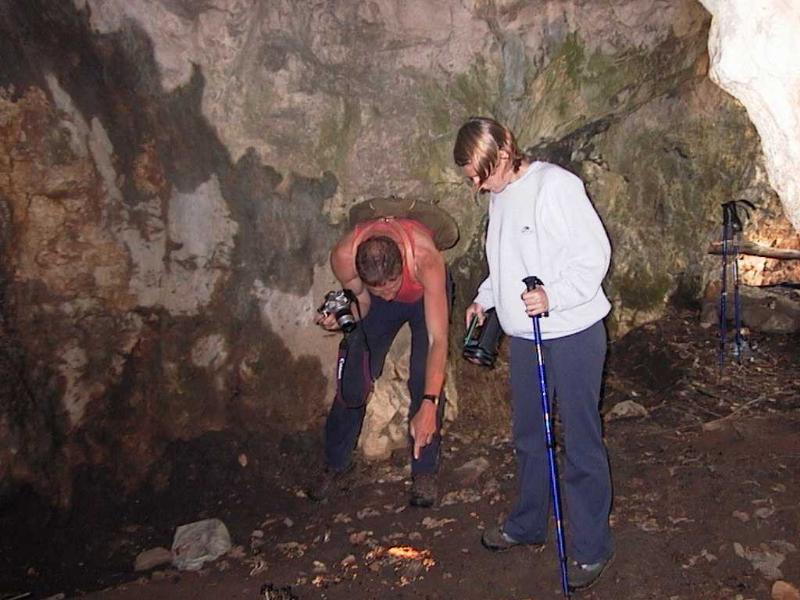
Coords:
360,346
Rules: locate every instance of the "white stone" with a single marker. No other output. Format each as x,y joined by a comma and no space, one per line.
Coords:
754,49
154,557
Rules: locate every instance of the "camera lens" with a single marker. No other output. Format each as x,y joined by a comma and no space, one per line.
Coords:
346,321
483,349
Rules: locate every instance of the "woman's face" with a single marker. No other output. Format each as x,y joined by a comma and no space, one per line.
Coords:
499,176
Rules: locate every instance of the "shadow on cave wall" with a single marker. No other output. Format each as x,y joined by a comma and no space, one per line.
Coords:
115,79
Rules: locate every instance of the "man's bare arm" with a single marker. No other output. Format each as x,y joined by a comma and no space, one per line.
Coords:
431,273
343,266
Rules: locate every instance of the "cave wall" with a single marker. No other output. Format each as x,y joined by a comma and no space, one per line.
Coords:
173,174
753,51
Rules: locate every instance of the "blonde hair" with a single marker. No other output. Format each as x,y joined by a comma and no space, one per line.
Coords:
479,142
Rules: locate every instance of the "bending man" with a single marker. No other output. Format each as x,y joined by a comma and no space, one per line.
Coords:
397,275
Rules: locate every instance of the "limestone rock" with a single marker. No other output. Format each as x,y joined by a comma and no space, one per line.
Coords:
152,558
625,410
782,590
166,227
769,310
760,69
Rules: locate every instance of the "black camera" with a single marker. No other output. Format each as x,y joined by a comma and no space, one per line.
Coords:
337,303
481,348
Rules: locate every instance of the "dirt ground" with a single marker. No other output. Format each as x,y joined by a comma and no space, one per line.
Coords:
706,484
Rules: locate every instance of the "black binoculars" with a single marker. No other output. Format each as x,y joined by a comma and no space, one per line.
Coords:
481,347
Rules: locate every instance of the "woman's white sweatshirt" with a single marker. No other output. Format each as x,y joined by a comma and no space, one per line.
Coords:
544,224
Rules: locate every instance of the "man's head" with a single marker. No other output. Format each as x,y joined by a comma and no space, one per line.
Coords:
379,265
487,153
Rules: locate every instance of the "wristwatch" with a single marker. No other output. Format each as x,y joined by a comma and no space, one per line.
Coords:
432,397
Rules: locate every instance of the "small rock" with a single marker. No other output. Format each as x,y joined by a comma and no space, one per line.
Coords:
464,496
765,559
199,542
431,523
292,549
781,590
627,409
348,560
470,471
359,537
319,567
162,575
152,558
764,512
341,518
367,512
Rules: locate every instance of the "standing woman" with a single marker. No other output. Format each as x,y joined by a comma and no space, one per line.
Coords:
542,223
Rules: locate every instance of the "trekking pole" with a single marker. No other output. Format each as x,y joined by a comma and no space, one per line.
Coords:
736,231
737,310
723,294
531,283
731,228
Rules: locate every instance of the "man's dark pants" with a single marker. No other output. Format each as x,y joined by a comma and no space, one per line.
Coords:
381,326
574,366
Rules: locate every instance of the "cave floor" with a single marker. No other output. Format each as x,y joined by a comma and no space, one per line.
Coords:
706,487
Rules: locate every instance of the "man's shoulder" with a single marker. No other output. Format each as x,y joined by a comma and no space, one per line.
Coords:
342,258
424,243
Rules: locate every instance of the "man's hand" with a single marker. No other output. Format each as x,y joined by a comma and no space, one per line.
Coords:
536,302
423,426
473,310
327,321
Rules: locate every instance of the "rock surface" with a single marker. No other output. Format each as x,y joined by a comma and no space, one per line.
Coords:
753,52
173,175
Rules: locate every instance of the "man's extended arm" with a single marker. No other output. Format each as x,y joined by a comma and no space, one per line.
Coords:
431,273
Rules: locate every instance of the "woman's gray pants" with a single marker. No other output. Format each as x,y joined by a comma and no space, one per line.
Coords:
574,366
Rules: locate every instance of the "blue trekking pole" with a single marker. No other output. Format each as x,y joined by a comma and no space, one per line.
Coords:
723,294
737,305
731,228
531,283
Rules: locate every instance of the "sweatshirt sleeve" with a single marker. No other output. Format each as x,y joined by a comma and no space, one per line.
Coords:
583,247
485,296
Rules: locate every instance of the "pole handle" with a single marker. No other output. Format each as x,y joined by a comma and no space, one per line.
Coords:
532,282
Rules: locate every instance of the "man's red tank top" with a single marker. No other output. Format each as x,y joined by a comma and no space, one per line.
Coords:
410,290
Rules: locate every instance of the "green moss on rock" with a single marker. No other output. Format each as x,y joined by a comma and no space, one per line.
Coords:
642,289
337,134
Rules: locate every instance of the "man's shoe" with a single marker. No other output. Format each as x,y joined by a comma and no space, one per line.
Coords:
325,481
584,576
423,490
497,540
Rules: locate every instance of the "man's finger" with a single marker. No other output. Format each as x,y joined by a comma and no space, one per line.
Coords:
417,447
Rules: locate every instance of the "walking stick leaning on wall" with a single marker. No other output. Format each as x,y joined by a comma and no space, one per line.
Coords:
731,230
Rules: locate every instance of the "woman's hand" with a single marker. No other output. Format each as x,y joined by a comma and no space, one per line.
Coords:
475,309
536,302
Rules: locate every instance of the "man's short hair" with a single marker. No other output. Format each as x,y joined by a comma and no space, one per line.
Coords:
378,260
